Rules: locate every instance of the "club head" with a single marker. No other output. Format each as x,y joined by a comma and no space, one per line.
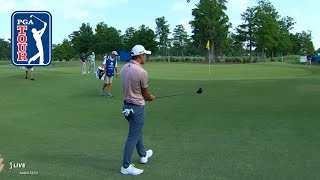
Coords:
200,90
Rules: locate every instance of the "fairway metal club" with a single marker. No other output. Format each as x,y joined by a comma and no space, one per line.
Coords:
199,91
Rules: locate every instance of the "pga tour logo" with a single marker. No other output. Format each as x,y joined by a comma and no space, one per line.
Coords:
31,35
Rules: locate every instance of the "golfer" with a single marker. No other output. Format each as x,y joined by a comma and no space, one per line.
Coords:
83,63
110,65
92,58
29,68
309,57
134,81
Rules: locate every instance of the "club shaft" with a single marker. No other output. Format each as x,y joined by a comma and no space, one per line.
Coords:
173,95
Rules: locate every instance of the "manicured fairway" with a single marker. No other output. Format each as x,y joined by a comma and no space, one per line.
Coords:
255,121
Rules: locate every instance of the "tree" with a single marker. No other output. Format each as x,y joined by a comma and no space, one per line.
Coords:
246,31
82,40
296,43
143,35
192,48
63,51
4,49
284,41
307,43
266,19
233,46
180,38
210,24
106,39
302,43
128,39
162,32
146,37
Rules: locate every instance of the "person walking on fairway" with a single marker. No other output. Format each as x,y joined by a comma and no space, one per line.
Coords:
135,92
29,68
309,57
92,63
83,63
110,65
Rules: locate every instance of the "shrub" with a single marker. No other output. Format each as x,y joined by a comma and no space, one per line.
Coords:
246,60
237,60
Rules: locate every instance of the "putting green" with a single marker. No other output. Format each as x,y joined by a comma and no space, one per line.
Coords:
224,72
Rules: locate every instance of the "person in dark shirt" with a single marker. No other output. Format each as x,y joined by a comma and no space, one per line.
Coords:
83,63
309,57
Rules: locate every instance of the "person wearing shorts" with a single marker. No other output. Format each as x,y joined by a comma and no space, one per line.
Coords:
92,62
309,58
111,69
29,68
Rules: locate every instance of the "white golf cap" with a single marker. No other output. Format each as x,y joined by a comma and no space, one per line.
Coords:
114,53
92,52
138,50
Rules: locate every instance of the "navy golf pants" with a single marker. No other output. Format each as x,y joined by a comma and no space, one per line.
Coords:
134,139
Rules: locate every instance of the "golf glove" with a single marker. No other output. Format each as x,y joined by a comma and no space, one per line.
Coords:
126,112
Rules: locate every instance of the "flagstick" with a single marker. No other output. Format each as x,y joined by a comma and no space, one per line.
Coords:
210,68
212,72
211,77
209,60
209,65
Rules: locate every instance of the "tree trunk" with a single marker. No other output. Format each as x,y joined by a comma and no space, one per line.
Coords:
216,53
262,55
182,55
251,60
167,54
212,52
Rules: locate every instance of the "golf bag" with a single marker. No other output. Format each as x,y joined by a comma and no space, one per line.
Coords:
100,74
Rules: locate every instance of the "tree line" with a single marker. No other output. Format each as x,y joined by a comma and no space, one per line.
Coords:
106,38
263,32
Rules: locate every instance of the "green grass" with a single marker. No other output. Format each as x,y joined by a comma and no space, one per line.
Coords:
254,121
